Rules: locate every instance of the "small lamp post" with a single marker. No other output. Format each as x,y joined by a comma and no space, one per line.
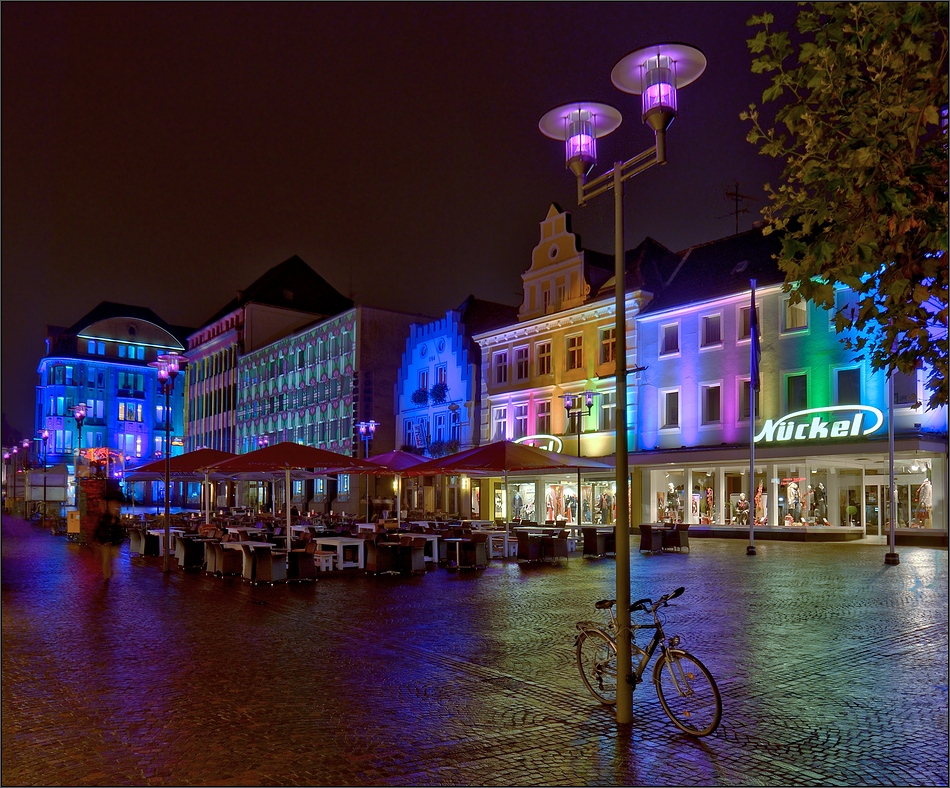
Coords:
262,442
79,412
655,73
25,446
367,430
168,366
574,405
44,436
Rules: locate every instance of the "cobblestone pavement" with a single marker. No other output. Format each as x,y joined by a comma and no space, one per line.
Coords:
832,667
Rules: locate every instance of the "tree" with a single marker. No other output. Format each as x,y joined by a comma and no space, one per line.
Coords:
861,124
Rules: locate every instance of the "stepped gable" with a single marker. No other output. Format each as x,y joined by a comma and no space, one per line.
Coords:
720,268
479,315
292,284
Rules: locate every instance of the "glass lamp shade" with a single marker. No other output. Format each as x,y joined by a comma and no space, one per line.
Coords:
579,124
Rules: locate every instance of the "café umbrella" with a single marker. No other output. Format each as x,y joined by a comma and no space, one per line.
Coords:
396,462
289,458
505,457
190,466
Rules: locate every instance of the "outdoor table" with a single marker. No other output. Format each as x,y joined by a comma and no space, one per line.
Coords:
457,542
338,543
248,529
366,526
160,533
492,536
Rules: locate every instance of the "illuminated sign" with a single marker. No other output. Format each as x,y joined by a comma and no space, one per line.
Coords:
839,421
547,442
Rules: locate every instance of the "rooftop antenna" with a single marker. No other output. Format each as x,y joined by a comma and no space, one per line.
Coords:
736,196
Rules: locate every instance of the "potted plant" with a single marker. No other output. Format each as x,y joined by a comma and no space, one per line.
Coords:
438,392
420,397
852,511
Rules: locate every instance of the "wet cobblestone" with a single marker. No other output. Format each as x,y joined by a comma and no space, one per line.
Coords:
832,666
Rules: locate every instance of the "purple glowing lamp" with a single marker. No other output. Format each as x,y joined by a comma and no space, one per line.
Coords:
578,125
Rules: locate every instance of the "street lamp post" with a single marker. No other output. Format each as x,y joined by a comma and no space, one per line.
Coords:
25,445
654,72
574,405
79,412
44,435
367,430
262,442
168,365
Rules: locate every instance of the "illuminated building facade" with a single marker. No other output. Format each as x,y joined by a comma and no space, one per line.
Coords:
315,385
102,361
821,453
285,298
438,397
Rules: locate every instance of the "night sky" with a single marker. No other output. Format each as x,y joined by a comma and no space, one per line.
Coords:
166,155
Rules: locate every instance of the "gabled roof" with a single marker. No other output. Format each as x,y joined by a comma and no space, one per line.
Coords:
479,315
107,310
646,267
291,284
719,268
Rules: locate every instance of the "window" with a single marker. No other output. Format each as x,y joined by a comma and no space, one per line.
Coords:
543,349
424,379
456,422
440,427
100,348
744,399
846,301
499,420
711,331
441,375
669,339
91,346
608,410
711,410
794,316
796,392
521,363
343,487
669,409
849,386
905,388
121,351
575,352
546,300
543,418
561,295
500,365
745,322
521,421
608,345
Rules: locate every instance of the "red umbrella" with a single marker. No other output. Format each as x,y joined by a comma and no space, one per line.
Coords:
396,462
192,465
288,457
504,457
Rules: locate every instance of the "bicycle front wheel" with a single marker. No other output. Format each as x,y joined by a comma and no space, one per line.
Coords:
687,692
597,662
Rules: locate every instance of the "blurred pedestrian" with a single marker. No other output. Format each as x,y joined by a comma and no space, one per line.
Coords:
109,534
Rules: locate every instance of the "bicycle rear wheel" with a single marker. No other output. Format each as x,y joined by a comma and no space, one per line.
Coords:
687,692
597,662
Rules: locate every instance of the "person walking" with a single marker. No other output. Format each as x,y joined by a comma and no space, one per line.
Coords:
109,534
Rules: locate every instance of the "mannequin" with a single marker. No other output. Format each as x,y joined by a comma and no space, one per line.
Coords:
742,510
924,503
821,505
516,505
759,512
793,499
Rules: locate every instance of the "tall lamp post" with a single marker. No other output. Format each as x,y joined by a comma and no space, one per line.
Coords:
168,365
367,430
574,405
44,436
262,442
79,412
654,72
25,445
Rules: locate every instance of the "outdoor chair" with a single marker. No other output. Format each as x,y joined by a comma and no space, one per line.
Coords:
380,557
555,547
651,541
137,541
211,557
678,538
270,566
300,564
595,543
473,552
529,548
248,564
610,543
411,555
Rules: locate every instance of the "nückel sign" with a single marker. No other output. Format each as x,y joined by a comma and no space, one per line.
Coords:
835,421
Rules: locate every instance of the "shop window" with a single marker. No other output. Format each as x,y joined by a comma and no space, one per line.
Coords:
711,402
848,383
796,392
669,339
521,363
575,352
543,418
669,409
608,345
543,350
711,331
794,315
500,365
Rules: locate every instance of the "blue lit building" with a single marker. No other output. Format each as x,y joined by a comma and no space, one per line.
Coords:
103,361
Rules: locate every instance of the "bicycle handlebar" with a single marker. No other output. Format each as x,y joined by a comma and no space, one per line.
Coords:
646,604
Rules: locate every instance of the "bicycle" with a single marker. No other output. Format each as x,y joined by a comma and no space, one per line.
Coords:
686,689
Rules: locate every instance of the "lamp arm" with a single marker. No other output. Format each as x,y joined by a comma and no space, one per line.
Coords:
629,169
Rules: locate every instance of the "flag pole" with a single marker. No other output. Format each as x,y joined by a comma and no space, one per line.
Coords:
754,352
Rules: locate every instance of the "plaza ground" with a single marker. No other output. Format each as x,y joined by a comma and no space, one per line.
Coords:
832,667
